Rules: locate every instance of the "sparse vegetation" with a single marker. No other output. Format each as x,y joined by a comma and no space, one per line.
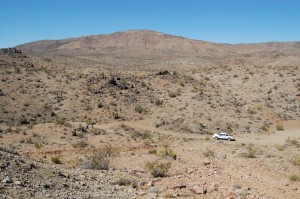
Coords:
38,145
77,103
61,121
158,169
158,102
56,160
152,151
116,115
294,177
296,161
293,141
250,151
140,135
80,144
138,109
173,94
280,127
98,159
167,152
208,152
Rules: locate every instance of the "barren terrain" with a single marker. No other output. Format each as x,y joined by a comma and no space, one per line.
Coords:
131,115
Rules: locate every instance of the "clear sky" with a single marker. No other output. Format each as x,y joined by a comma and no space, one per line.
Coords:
226,21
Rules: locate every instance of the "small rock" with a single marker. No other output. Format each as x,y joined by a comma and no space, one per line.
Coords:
150,183
18,183
7,180
200,189
153,190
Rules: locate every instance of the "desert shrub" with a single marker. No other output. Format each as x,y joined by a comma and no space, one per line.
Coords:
293,141
74,132
81,134
152,151
140,135
208,152
56,160
279,127
158,102
172,94
265,127
9,130
158,169
279,147
127,182
116,115
139,109
61,121
99,158
251,151
296,161
168,152
294,177
126,128
38,145
34,135
18,130
53,114
89,121
29,140
80,144
100,105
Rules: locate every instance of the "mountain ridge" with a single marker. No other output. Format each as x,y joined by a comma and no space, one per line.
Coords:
148,42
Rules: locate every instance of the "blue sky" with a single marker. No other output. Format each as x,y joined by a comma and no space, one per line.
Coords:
225,21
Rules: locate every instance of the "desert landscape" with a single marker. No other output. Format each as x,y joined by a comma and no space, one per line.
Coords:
132,115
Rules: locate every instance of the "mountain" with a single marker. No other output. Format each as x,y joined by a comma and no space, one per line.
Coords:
150,43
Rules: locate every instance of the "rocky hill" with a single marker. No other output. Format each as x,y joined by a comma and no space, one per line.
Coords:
150,43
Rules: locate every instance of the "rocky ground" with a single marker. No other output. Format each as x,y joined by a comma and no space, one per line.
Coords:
92,127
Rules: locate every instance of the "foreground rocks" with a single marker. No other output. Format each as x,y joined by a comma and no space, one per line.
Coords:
21,178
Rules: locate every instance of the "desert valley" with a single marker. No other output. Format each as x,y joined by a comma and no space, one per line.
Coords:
132,115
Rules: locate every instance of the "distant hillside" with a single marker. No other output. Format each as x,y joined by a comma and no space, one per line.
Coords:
147,43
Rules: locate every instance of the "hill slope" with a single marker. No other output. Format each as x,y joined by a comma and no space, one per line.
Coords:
145,43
